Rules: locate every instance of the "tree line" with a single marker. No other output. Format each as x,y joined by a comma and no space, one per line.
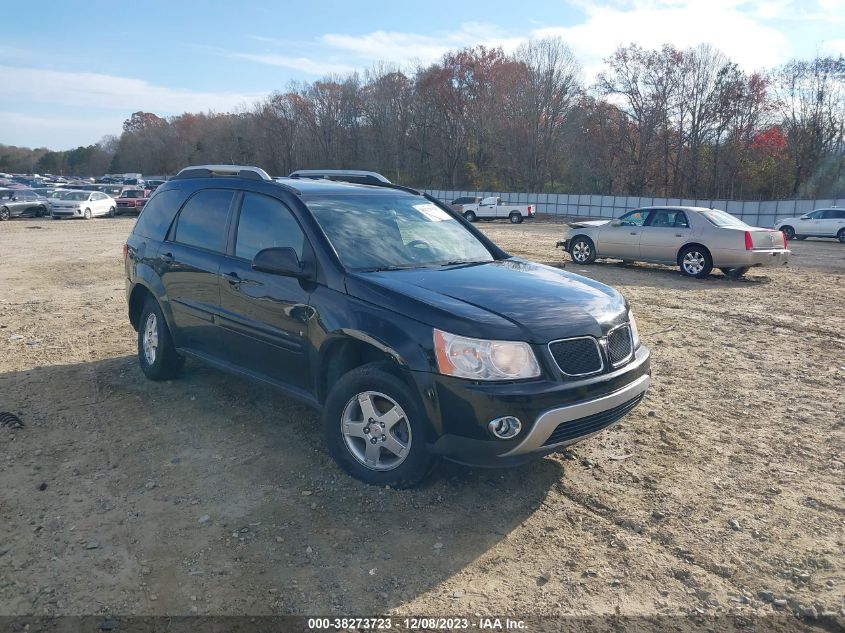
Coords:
665,122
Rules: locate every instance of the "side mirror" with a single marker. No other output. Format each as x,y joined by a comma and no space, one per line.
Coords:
804,217
278,261
616,222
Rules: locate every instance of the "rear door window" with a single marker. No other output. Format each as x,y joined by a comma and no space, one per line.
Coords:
202,221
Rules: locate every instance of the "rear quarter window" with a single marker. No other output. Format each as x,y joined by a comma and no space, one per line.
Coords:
158,214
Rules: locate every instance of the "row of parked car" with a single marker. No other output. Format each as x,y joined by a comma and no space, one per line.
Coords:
86,203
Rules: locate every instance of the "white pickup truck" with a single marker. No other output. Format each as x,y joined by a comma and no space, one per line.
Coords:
494,207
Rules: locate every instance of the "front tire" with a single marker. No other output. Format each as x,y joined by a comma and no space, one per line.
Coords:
841,236
156,354
374,428
695,261
582,250
470,216
516,218
87,214
112,212
4,214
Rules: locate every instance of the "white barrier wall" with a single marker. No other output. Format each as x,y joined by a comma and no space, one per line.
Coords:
754,212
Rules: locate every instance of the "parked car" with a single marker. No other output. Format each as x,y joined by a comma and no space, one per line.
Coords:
83,204
494,207
152,185
693,238
56,194
22,202
131,201
414,334
819,223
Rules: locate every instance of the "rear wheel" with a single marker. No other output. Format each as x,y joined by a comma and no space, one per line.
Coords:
841,236
156,354
735,273
516,218
470,216
582,250
374,429
40,212
695,261
788,232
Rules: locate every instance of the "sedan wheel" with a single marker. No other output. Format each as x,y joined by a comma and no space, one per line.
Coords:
87,214
111,212
695,262
582,251
4,214
376,430
841,235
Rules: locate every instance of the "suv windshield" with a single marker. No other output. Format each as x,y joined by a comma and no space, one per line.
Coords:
721,218
383,231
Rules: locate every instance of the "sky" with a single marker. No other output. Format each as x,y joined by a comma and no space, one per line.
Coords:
73,71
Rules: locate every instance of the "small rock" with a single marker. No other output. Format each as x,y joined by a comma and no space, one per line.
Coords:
457,594
93,545
5,550
280,539
309,550
658,515
16,337
372,572
42,487
780,603
766,596
735,525
244,530
808,613
543,578
438,546
150,485
204,519
652,413
307,493
587,463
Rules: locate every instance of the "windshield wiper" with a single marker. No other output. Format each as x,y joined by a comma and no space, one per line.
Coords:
458,262
378,269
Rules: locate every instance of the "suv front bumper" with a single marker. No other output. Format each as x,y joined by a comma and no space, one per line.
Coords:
553,414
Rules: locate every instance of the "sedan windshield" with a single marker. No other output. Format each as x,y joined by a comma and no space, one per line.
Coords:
382,231
722,218
77,195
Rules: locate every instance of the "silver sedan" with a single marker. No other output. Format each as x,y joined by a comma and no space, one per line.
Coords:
693,238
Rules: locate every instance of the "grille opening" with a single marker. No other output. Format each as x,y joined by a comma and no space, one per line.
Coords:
620,345
590,424
577,356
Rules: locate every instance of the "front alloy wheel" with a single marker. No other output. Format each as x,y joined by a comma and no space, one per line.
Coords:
376,430
582,251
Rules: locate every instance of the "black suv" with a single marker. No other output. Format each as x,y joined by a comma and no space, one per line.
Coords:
416,336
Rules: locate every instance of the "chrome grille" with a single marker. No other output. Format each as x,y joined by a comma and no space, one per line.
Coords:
577,356
619,345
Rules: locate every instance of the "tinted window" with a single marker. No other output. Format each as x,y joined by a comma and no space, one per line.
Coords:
266,223
98,196
668,218
202,221
635,218
158,213
721,218
815,215
834,214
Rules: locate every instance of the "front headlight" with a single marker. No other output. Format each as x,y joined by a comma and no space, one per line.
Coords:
481,359
635,332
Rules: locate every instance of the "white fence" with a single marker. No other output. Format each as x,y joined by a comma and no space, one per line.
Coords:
755,212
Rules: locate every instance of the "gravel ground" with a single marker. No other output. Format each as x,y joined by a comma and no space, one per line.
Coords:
724,492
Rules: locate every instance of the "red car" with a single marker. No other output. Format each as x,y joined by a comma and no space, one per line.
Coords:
131,201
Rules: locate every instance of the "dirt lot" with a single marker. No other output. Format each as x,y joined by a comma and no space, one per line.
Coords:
723,491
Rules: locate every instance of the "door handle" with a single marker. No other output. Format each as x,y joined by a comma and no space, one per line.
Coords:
679,234
232,278
635,232
166,257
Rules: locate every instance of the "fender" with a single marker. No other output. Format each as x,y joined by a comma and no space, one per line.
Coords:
147,277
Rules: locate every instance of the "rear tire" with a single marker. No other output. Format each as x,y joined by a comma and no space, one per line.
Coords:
788,232
695,261
470,216
156,354
516,218
841,236
350,435
735,273
582,250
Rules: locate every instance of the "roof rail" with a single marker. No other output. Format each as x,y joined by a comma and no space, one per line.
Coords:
348,175
223,171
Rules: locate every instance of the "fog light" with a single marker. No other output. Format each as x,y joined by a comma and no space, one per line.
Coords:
505,427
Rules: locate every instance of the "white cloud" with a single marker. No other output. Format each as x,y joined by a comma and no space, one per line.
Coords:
55,132
726,24
98,91
403,47
834,47
302,64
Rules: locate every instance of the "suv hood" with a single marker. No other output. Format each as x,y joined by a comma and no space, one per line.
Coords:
512,299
